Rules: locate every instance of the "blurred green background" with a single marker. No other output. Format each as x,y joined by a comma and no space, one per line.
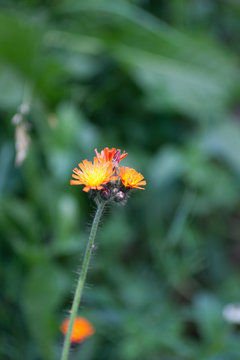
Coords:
160,80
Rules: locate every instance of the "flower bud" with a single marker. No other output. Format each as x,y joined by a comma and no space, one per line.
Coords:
115,190
120,196
105,194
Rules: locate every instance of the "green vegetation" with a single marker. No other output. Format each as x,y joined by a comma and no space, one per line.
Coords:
159,79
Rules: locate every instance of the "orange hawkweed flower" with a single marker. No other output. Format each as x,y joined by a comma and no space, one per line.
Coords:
82,329
131,178
113,155
93,175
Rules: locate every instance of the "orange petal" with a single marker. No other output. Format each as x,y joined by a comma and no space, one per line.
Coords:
75,182
75,176
142,183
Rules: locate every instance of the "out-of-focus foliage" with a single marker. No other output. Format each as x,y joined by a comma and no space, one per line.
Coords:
159,79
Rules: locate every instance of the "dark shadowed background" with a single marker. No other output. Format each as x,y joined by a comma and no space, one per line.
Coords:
160,80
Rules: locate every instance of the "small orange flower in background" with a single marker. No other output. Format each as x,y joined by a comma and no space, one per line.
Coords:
131,178
93,175
82,329
113,155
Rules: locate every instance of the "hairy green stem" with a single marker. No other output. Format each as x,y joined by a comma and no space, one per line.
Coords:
81,280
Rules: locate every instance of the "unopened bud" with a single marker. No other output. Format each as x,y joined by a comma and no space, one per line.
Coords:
105,194
115,190
120,196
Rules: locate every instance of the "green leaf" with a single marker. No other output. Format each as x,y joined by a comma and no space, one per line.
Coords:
177,71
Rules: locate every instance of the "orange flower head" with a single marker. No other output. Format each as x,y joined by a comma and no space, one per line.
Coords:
93,175
131,178
82,329
113,155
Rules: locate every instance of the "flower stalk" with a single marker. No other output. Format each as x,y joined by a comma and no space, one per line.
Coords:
81,280
105,182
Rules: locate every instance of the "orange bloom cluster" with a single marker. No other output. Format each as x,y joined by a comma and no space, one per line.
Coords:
82,329
105,174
